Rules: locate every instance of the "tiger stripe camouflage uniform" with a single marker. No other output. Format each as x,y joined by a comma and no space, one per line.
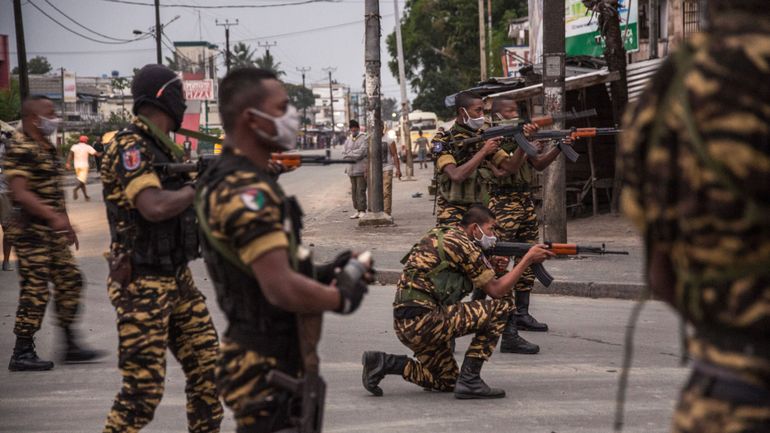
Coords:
696,162
450,210
247,211
427,322
156,310
44,256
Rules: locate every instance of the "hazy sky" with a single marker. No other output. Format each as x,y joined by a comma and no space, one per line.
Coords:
318,35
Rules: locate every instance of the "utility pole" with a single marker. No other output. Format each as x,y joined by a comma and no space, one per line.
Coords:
373,66
331,111
654,27
227,24
302,70
63,108
554,188
406,138
489,34
158,33
482,43
266,46
21,50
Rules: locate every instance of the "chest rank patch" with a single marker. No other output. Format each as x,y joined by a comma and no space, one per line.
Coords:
131,158
438,147
253,199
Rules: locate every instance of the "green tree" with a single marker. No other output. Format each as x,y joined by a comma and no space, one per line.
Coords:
37,65
242,56
268,62
441,47
10,102
300,96
173,63
389,106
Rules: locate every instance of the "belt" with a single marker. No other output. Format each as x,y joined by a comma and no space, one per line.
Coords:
409,294
498,189
409,312
727,386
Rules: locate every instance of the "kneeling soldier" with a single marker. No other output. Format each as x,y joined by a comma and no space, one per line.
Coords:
440,271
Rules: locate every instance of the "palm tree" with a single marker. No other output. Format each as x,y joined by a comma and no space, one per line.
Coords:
268,62
242,56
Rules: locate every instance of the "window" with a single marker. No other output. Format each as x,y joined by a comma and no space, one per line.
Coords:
691,17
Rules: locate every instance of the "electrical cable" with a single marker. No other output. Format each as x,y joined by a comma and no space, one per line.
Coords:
243,6
84,27
76,33
329,27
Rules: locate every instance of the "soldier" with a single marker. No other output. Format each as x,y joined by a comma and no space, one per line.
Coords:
512,203
254,255
153,237
695,157
428,315
42,235
462,179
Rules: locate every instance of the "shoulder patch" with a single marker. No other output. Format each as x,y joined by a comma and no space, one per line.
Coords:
253,199
131,158
438,147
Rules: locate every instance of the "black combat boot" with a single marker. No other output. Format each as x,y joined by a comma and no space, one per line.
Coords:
25,358
512,342
78,352
377,365
524,321
470,385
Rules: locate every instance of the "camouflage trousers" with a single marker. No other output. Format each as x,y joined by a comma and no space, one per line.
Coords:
43,258
430,336
449,213
242,383
516,222
156,313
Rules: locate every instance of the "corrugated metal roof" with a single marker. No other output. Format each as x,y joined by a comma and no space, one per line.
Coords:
638,74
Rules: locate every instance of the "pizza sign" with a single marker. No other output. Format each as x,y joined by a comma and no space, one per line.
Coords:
199,90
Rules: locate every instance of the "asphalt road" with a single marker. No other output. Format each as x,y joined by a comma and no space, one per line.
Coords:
569,387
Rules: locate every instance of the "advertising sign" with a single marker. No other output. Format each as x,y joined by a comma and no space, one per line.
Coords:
582,28
199,90
514,57
69,86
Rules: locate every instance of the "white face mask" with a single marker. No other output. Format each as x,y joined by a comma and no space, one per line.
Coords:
286,128
486,242
48,126
473,123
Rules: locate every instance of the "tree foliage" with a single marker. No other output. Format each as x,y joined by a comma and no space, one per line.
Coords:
10,102
37,65
242,56
300,96
389,106
268,62
441,47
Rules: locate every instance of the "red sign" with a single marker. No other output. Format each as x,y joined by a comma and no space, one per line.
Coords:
199,90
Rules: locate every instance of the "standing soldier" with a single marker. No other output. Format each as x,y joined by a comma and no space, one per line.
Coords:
696,162
42,236
153,236
439,272
256,261
462,173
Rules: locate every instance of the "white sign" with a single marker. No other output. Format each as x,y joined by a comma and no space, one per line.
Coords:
514,58
69,87
199,90
582,28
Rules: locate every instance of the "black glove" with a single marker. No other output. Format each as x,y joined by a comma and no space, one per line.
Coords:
351,282
325,273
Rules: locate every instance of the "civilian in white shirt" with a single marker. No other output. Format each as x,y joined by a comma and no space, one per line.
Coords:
80,153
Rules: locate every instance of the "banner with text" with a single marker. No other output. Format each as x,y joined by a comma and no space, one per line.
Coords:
199,90
582,28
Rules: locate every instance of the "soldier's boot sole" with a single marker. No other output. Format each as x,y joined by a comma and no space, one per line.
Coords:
526,322
22,365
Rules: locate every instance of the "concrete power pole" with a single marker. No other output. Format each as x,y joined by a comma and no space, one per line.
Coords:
375,216
482,43
331,111
227,24
21,50
554,185
406,138
158,33
302,71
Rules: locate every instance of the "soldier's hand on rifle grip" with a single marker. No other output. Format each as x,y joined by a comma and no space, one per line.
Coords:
538,254
328,271
491,146
352,283
530,128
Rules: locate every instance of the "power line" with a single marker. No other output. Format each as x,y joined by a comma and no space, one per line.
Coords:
80,34
244,6
84,27
333,26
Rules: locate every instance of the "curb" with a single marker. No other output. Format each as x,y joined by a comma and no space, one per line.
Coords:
586,289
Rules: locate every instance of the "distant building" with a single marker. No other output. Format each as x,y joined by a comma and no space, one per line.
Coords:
322,106
197,62
5,63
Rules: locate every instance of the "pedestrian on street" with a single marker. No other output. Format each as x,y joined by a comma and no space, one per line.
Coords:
154,235
389,161
6,208
256,260
80,153
356,149
696,165
439,272
42,236
422,149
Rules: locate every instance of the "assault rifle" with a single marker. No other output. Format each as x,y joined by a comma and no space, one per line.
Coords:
294,160
311,388
573,133
516,131
199,166
519,249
